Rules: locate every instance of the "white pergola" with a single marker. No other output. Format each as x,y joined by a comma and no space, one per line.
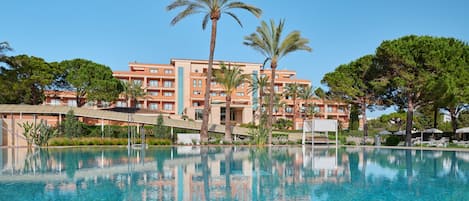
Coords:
320,125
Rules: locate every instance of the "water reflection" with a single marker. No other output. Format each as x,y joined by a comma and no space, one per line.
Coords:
233,173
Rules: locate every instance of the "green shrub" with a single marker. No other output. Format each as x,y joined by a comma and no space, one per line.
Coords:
392,141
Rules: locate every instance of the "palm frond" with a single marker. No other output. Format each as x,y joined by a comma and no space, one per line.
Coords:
234,17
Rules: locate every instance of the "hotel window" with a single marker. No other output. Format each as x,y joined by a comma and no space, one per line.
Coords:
168,106
153,83
289,109
222,94
168,84
139,105
213,94
168,93
200,83
121,104
105,104
195,104
276,76
168,71
329,109
124,80
153,93
263,75
153,106
196,92
213,82
341,109
242,85
316,109
194,83
239,93
153,70
55,101
198,114
276,88
72,103
137,82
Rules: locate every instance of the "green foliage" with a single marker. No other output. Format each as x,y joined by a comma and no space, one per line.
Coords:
283,124
95,141
159,130
71,125
25,78
463,119
392,141
38,134
260,134
91,80
354,121
249,125
412,70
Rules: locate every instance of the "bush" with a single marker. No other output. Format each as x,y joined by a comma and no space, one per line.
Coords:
392,141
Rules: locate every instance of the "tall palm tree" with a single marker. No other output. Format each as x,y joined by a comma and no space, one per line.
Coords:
267,40
293,91
213,9
230,78
307,93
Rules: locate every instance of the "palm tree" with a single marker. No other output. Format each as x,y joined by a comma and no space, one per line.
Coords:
293,90
260,85
229,78
213,10
307,93
132,91
267,40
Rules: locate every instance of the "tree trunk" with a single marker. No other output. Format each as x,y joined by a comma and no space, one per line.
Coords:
273,66
228,120
365,124
206,111
408,127
294,112
435,117
454,119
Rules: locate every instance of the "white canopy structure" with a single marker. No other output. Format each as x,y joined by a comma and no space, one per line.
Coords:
432,130
320,125
463,130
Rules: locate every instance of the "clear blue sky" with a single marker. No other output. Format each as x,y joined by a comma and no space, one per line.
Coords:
115,32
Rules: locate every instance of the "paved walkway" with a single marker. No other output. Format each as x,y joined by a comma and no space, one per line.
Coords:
116,116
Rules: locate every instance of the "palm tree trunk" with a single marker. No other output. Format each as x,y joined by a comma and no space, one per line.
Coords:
228,119
273,66
294,112
206,111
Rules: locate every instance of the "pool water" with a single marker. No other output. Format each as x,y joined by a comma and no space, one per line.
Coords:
233,173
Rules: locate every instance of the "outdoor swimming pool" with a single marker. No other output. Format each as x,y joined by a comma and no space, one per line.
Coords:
195,173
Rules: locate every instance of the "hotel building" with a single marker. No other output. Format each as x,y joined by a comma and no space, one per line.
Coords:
177,89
